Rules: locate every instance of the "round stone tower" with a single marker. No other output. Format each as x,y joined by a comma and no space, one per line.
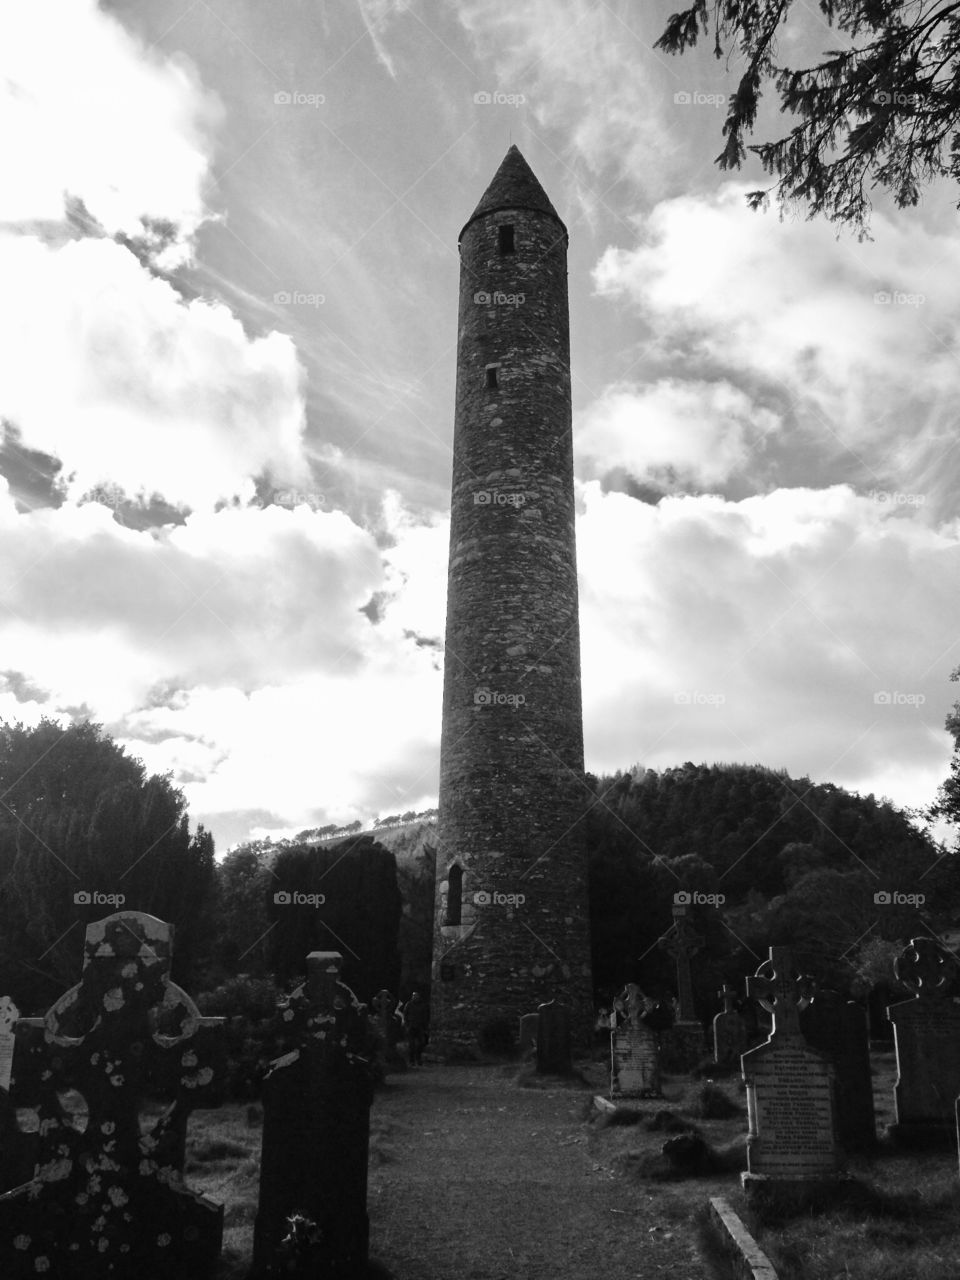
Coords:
511,924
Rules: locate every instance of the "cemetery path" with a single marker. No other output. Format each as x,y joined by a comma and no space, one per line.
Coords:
474,1178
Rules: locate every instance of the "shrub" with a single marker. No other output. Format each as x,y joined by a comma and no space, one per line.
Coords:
251,1031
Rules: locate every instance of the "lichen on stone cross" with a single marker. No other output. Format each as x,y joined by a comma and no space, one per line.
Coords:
925,968
781,990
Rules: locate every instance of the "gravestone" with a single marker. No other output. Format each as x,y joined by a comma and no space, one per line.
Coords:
316,1127
553,1039
106,1197
838,1027
682,1045
792,1149
634,1050
926,1031
730,1034
528,1033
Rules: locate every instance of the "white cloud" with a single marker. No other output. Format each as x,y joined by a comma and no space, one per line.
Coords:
672,432
150,392
791,308
764,631
89,111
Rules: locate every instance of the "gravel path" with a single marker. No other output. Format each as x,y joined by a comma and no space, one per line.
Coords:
474,1178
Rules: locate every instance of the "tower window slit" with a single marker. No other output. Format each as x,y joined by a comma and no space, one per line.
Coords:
492,376
454,895
505,238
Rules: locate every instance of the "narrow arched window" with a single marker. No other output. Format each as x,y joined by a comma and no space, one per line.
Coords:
454,895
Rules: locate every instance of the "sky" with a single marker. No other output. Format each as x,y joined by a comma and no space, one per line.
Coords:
228,241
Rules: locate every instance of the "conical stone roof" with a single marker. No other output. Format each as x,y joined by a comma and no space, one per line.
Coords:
514,186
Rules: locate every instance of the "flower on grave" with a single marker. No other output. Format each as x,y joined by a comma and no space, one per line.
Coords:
116,1080
288,1015
163,1240
129,970
94,1059
21,1242
138,986
42,1263
107,1127
189,1059
205,1076
93,1184
117,1196
113,999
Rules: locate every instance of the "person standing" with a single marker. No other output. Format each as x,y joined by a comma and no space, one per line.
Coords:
416,1018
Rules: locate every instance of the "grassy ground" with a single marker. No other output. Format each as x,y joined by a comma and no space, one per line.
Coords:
475,1173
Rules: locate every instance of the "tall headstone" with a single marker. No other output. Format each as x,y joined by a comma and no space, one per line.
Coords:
316,1127
106,1197
512,913
634,1050
838,1027
683,1045
926,1031
730,1034
792,1149
553,1039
